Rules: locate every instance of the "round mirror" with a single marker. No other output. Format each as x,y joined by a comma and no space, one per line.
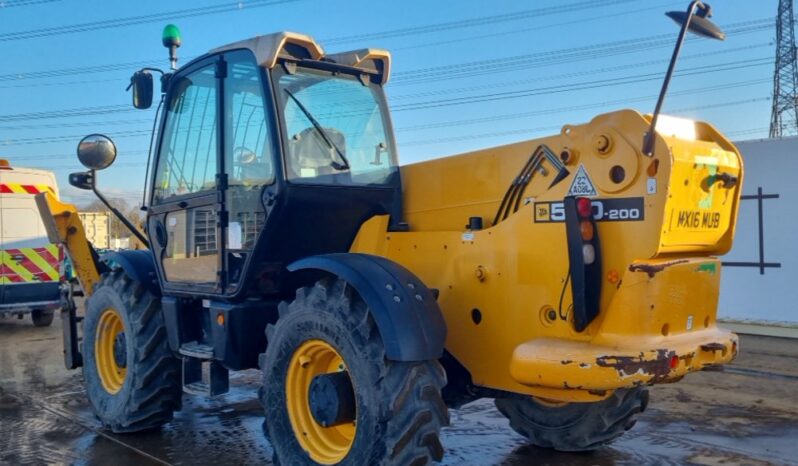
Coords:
96,151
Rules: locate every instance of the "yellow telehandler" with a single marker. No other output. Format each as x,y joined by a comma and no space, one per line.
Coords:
559,276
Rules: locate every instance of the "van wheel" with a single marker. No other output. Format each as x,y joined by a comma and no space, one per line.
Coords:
331,396
131,376
42,317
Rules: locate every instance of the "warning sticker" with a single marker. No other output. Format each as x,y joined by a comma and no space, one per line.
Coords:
582,186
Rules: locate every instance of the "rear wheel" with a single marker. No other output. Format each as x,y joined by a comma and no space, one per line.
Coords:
42,317
132,379
574,426
331,396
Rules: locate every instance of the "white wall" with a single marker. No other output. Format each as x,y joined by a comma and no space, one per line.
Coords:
746,293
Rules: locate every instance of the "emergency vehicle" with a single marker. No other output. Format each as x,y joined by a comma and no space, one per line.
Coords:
30,266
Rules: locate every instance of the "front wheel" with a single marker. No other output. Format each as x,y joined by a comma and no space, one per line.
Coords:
574,426
332,397
132,379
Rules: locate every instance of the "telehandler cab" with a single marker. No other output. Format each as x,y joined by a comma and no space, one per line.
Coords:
559,276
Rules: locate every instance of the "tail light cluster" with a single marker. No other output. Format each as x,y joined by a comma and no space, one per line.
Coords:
584,255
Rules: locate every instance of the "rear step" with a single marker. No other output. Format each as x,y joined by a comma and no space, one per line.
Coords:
195,355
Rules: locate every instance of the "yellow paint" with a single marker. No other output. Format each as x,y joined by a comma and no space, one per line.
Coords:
65,228
325,445
524,263
112,376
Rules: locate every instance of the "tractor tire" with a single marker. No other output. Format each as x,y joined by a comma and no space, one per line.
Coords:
132,378
398,408
42,317
574,426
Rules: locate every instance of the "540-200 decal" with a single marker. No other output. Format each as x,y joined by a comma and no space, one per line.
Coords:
604,210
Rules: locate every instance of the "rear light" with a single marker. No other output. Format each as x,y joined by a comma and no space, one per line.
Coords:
584,256
584,207
674,362
588,253
587,230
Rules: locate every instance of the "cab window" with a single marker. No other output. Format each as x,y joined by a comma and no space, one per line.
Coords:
187,162
336,128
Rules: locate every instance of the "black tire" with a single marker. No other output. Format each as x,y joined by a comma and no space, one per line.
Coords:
400,409
152,389
42,317
575,426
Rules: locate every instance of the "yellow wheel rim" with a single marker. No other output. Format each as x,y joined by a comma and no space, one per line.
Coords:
112,375
325,445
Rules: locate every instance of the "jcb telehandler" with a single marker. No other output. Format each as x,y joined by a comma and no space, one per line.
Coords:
559,276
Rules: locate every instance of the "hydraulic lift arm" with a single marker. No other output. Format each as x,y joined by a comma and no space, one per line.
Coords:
65,228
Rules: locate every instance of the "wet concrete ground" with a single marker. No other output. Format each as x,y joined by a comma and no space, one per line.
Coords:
747,414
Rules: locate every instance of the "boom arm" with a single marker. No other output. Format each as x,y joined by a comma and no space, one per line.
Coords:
65,228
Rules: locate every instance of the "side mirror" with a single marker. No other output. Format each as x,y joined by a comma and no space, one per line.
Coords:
82,180
142,84
96,151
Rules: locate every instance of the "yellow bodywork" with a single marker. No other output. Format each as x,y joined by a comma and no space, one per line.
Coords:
65,228
504,291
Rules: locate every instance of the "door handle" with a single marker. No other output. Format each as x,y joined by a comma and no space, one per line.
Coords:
18,257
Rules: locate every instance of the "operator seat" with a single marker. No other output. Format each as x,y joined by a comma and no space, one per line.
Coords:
310,156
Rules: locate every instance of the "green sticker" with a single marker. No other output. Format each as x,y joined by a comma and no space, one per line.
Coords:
708,267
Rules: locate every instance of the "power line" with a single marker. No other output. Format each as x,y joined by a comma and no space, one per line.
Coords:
729,66
578,86
81,124
66,113
13,3
551,57
605,104
475,22
548,25
582,72
425,142
428,93
142,19
495,65
71,155
72,137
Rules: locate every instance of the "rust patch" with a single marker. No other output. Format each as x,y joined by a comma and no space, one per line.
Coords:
653,269
565,362
656,369
713,347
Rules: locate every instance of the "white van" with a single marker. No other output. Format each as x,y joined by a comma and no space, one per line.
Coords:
30,266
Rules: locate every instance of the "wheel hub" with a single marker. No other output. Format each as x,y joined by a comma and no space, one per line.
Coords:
332,399
120,350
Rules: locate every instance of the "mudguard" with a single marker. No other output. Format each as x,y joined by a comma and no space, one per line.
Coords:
408,317
138,264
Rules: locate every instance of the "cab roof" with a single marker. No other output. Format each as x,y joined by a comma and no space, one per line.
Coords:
270,47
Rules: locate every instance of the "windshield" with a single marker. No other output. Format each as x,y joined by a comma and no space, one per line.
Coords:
335,128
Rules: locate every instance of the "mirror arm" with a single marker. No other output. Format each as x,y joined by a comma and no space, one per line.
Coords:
132,228
648,139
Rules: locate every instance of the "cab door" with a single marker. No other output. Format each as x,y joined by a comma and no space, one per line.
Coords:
185,218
